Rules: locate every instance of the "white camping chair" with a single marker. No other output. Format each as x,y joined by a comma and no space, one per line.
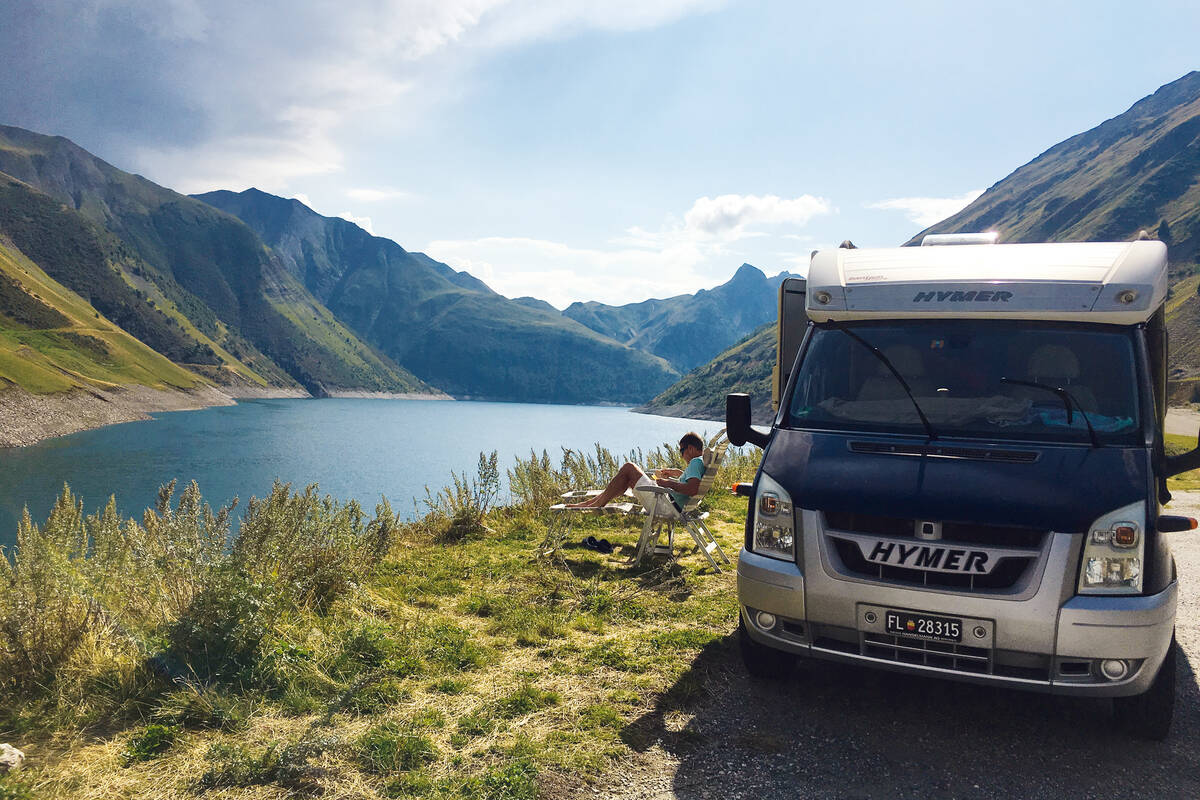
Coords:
660,511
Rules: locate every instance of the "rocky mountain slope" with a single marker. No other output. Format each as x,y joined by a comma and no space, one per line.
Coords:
688,330
447,327
745,367
193,283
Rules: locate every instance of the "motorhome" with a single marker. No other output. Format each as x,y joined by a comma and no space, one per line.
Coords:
965,472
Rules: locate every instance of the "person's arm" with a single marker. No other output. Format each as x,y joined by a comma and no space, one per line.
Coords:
691,488
669,472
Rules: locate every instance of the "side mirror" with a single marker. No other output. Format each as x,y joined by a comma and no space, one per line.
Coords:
1169,523
1174,465
737,422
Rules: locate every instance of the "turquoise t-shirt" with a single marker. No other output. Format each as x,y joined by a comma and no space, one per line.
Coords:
695,469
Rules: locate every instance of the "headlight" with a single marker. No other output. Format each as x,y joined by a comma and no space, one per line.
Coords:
774,521
1113,553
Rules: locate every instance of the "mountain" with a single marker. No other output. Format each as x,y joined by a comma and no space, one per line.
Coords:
688,330
447,327
1137,171
745,367
51,340
226,305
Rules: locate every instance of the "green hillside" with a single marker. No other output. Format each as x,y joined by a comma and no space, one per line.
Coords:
447,327
51,340
212,269
745,367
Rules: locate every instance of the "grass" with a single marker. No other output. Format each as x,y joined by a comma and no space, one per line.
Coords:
327,650
85,350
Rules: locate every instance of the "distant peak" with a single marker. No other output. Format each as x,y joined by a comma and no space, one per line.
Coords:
748,271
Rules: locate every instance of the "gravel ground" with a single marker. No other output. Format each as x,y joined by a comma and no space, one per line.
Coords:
833,731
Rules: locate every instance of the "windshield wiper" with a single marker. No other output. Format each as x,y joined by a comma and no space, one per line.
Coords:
887,363
1068,400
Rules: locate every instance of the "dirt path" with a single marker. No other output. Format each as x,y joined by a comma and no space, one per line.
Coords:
834,731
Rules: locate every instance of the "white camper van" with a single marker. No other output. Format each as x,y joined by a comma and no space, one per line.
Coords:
965,472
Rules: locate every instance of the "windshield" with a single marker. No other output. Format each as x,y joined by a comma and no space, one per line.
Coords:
970,378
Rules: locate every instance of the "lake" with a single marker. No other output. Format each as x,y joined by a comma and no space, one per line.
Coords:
354,449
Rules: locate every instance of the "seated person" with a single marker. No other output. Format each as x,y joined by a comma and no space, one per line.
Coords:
631,476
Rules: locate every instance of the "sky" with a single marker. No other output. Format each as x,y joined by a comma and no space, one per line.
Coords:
577,150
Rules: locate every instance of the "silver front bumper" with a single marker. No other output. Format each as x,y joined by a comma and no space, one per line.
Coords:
1046,639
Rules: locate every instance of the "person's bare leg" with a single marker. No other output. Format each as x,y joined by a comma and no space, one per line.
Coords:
626,478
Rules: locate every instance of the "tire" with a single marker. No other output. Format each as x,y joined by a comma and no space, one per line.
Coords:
1148,715
762,661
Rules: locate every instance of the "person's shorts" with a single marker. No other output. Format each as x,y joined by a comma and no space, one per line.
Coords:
664,508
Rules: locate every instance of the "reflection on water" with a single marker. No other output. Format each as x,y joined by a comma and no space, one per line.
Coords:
361,449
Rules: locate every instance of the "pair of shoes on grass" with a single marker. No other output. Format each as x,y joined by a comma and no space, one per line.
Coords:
599,545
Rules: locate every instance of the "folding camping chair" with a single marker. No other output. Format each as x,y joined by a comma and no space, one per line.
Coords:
661,512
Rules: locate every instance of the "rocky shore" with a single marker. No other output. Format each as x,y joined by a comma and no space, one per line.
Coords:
27,418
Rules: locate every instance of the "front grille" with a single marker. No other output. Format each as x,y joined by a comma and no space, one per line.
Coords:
961,532
920,653
1005,575
909,650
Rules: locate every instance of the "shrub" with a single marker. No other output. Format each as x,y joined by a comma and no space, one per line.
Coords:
148,743
456,513
218,636
201,708
310,550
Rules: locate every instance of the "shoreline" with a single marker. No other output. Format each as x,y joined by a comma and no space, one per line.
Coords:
31,418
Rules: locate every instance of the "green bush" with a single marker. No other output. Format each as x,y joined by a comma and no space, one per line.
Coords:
46,611
148,743
310,550
456,513
201,708
217,638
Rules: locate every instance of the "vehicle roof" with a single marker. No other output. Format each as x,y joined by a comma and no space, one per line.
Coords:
1115,282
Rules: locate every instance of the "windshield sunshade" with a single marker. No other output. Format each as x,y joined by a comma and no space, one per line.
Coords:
970,378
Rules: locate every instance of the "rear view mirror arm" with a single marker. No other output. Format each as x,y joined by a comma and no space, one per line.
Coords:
737,422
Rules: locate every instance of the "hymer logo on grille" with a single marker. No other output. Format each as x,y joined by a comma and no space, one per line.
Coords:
930,557
962,297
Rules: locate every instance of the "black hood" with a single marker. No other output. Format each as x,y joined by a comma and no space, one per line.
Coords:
1065,489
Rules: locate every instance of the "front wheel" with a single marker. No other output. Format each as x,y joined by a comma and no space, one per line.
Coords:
1148,715
762,661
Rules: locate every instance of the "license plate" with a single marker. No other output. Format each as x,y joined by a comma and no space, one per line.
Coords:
923,626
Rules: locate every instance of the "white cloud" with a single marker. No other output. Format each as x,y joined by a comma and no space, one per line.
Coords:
362,222
560,274
727,216
681,258
230,94
925,211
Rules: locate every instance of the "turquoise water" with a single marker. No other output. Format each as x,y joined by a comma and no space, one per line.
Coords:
360,449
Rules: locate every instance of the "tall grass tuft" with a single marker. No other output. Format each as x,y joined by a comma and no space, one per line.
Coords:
458,512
